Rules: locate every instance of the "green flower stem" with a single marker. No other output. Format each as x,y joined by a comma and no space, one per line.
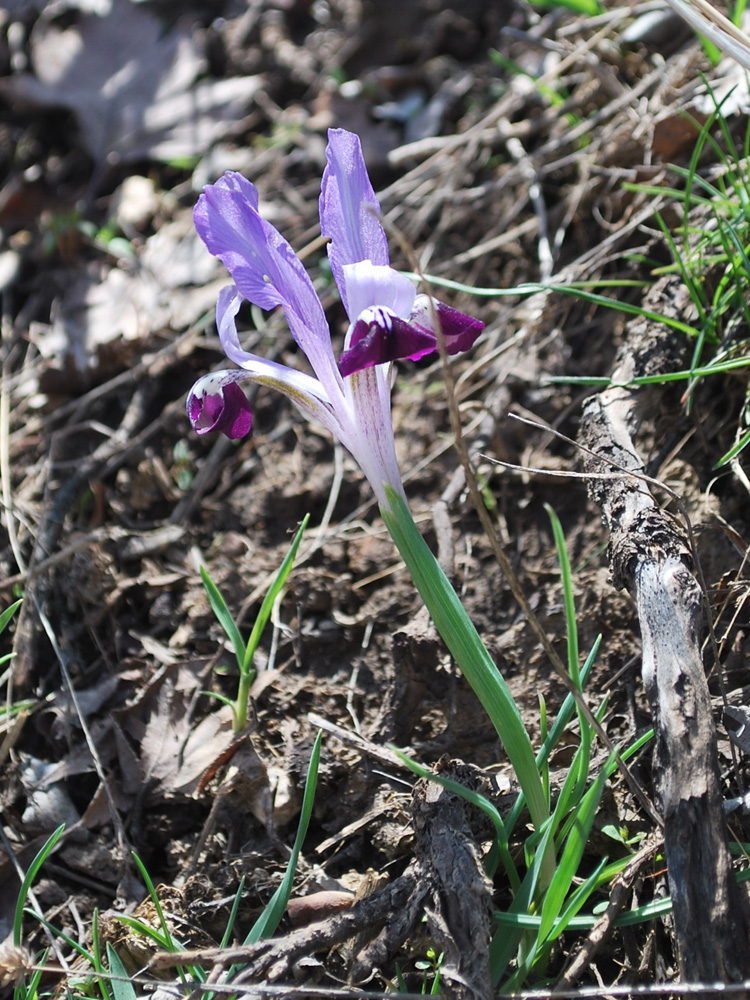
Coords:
247,677
468,650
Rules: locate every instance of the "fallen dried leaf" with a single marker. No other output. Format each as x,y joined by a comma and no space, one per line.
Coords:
133,86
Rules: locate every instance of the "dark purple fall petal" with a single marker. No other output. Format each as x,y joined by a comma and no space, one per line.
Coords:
459,330
379,336
227,411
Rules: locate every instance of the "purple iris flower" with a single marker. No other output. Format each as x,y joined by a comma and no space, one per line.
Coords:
387,319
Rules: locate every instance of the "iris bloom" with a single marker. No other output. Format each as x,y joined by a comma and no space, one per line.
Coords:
351,396
387,319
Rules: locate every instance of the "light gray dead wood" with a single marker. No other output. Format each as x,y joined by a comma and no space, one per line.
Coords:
650,556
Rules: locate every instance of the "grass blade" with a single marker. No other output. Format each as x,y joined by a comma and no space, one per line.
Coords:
122,988
31,874
224,616
6,616
270,918
268,601
480,802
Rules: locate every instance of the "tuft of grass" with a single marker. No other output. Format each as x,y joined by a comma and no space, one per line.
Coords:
543,907
711,254
107,976
245,651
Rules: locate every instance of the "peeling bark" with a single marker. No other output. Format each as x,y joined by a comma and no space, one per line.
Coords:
650,557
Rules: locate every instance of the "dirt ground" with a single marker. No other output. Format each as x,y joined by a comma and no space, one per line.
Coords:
501,139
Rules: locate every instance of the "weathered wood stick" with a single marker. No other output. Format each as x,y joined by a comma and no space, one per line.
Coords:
649,556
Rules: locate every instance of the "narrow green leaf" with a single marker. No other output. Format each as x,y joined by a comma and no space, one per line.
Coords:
6,616
165,941
570,859
577,899
271,916
96,951
224,616
33,870
555,734
639,915
268,602
734,450
463,641
588,7
227,935
576,289
165,936
571,625
480,802
122,988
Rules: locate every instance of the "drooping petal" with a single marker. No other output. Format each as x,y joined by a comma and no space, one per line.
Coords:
227,306
459,330
213,403
367,284
379,336
216,403
348,209
298,386
263,265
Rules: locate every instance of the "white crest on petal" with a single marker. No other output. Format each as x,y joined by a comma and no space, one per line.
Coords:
209,385
369,284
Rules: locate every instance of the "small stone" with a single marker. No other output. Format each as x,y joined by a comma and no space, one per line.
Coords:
135,202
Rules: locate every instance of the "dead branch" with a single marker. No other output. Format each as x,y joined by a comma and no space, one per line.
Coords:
651,558
446,881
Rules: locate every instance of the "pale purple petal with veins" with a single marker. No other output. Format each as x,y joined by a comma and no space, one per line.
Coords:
264,267
349,210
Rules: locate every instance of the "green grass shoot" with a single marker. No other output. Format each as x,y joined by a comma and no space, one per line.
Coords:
271,916
245,651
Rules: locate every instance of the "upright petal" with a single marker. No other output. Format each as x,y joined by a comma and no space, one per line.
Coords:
348,209
264,267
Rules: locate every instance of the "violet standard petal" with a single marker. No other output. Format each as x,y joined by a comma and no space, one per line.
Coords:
348,209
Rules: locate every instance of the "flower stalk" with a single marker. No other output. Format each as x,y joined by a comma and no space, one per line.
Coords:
470,653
